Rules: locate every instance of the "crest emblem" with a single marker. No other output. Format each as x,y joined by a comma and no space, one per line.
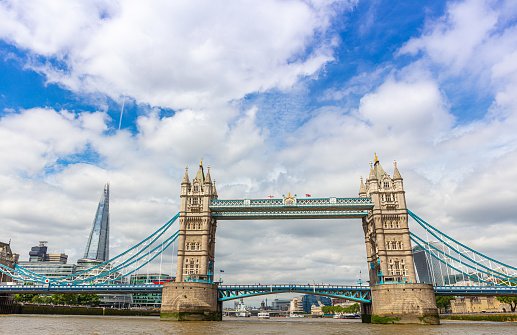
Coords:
289,200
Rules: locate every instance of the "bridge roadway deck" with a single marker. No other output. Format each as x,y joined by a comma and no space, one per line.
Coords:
230,292
290,208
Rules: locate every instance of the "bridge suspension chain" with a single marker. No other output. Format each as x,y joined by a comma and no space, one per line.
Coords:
462,260
114,270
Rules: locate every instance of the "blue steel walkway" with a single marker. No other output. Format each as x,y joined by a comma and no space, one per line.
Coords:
231,292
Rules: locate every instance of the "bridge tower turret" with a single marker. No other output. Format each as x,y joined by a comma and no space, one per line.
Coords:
196,240
388,246
193,296
396,296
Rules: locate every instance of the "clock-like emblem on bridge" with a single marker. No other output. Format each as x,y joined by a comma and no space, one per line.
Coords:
290,200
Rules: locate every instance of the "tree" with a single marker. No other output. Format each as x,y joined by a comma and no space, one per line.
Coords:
64,299
24,297
88,299
444,302
355,308
512,301
338,309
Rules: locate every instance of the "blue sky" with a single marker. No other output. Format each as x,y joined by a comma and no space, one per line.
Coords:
277,96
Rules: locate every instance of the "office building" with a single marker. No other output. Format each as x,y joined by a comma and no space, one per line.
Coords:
309,300
149,300
429,269
98,242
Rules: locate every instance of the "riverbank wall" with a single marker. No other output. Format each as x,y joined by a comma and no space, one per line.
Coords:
481,317
76,310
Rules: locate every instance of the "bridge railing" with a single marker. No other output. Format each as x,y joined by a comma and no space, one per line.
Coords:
258,204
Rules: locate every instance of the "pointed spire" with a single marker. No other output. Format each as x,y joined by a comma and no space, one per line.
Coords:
396,173
362,188
378,171
185,178
208,180
200,176
214,191
372,173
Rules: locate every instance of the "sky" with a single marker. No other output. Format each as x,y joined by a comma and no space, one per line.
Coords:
276,96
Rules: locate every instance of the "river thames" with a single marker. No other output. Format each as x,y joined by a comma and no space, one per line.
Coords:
53,324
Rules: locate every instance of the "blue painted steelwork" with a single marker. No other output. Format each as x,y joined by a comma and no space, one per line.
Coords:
309,208
476,290
355,293
50,288
415,239
430,228
231,292
493,274
490,272
270,215
23,274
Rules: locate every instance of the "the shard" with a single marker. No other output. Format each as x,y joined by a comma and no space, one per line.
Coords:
98,243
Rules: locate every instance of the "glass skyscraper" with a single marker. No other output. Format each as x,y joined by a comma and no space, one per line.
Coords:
98,242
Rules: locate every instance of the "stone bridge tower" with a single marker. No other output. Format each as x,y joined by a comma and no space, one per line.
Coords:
9,259
388,245
396,296
193,296
196,246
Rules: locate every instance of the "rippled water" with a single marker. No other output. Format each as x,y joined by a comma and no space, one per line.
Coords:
49,324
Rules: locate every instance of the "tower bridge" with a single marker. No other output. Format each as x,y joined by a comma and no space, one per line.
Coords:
381,205
393,290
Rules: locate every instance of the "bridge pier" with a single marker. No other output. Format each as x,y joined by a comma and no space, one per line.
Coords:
190,301
402,303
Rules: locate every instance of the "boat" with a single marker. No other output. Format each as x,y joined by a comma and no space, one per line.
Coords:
242,310
347,316
263,315
296,316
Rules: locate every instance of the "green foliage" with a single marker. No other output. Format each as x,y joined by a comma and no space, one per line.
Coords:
41,299
383,319
64,299
60,299
444,302
355,308
512,301
88,299
24,297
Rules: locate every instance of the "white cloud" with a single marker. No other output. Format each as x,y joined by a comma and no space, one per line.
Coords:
455,38
35,139
173,54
